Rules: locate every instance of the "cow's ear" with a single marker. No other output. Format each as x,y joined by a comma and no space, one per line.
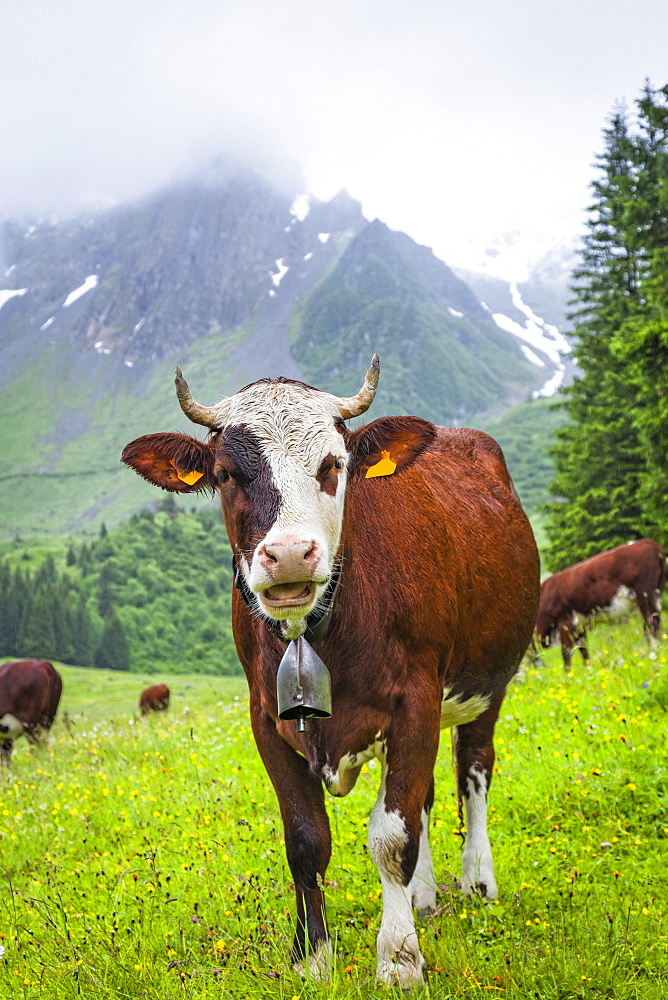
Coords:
388,445
175,462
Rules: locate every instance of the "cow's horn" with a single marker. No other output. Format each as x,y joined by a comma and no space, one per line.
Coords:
205,415
353,406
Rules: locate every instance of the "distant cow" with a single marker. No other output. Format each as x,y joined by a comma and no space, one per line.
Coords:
401,552
154,699
29,695
609,585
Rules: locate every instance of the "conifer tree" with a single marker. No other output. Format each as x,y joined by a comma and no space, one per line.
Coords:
105,595
112,652
641,342
84,633
37,635
11,603
599,457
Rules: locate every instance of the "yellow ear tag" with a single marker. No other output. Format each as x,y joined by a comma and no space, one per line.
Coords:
189,478
385,467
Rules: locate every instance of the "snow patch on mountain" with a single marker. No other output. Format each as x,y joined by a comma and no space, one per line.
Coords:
9,293
300,207
90,282
541,336
281,270
530,356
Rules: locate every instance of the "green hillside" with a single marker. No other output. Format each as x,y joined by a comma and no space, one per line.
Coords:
442,357
65,419
526,434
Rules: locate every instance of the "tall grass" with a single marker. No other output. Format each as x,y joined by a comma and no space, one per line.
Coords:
144,858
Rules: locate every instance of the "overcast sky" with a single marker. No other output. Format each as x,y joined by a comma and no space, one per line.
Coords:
449,120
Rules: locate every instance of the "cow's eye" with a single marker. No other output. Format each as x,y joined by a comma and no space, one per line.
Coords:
223,476
340,463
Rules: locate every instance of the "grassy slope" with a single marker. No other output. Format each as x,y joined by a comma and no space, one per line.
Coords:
85,482
66,416
146,858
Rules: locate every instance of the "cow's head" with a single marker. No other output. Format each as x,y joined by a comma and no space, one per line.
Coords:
279,455
547,629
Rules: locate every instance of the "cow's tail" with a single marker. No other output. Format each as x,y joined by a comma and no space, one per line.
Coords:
460,800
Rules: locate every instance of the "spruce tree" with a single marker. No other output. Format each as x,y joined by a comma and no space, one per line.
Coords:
641,342
11,604
598,456
37,634
85,639
105,593
112,652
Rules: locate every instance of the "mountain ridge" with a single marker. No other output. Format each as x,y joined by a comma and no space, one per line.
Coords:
233,281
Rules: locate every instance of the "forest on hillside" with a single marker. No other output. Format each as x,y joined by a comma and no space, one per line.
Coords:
611,457
152,595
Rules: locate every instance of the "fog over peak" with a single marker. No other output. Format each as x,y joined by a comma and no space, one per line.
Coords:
441,119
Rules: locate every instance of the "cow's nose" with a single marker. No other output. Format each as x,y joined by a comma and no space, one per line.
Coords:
289,560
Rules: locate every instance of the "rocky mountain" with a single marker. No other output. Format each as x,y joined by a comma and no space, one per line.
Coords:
233,279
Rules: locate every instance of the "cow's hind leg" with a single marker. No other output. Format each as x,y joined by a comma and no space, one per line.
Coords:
307,844
474,757
649,605
422,886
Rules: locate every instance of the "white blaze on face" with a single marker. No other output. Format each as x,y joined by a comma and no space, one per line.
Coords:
295,428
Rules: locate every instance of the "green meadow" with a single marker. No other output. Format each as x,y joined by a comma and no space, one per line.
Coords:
144,858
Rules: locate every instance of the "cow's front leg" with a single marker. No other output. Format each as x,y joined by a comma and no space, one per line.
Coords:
308,845
474,756
395,826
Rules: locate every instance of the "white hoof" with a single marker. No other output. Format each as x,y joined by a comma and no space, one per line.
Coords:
318,965
403,969
478,879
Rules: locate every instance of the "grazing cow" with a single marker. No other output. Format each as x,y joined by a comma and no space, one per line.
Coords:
401,551
154,699
608,585
29,695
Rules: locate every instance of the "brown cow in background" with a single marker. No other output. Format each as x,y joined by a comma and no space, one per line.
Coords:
609,585
29,695
401,551
154,699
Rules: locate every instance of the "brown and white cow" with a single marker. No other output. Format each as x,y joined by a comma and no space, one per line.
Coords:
154,699
438,593
29,696
606,585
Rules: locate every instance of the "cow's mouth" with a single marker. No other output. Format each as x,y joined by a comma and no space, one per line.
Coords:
288,595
